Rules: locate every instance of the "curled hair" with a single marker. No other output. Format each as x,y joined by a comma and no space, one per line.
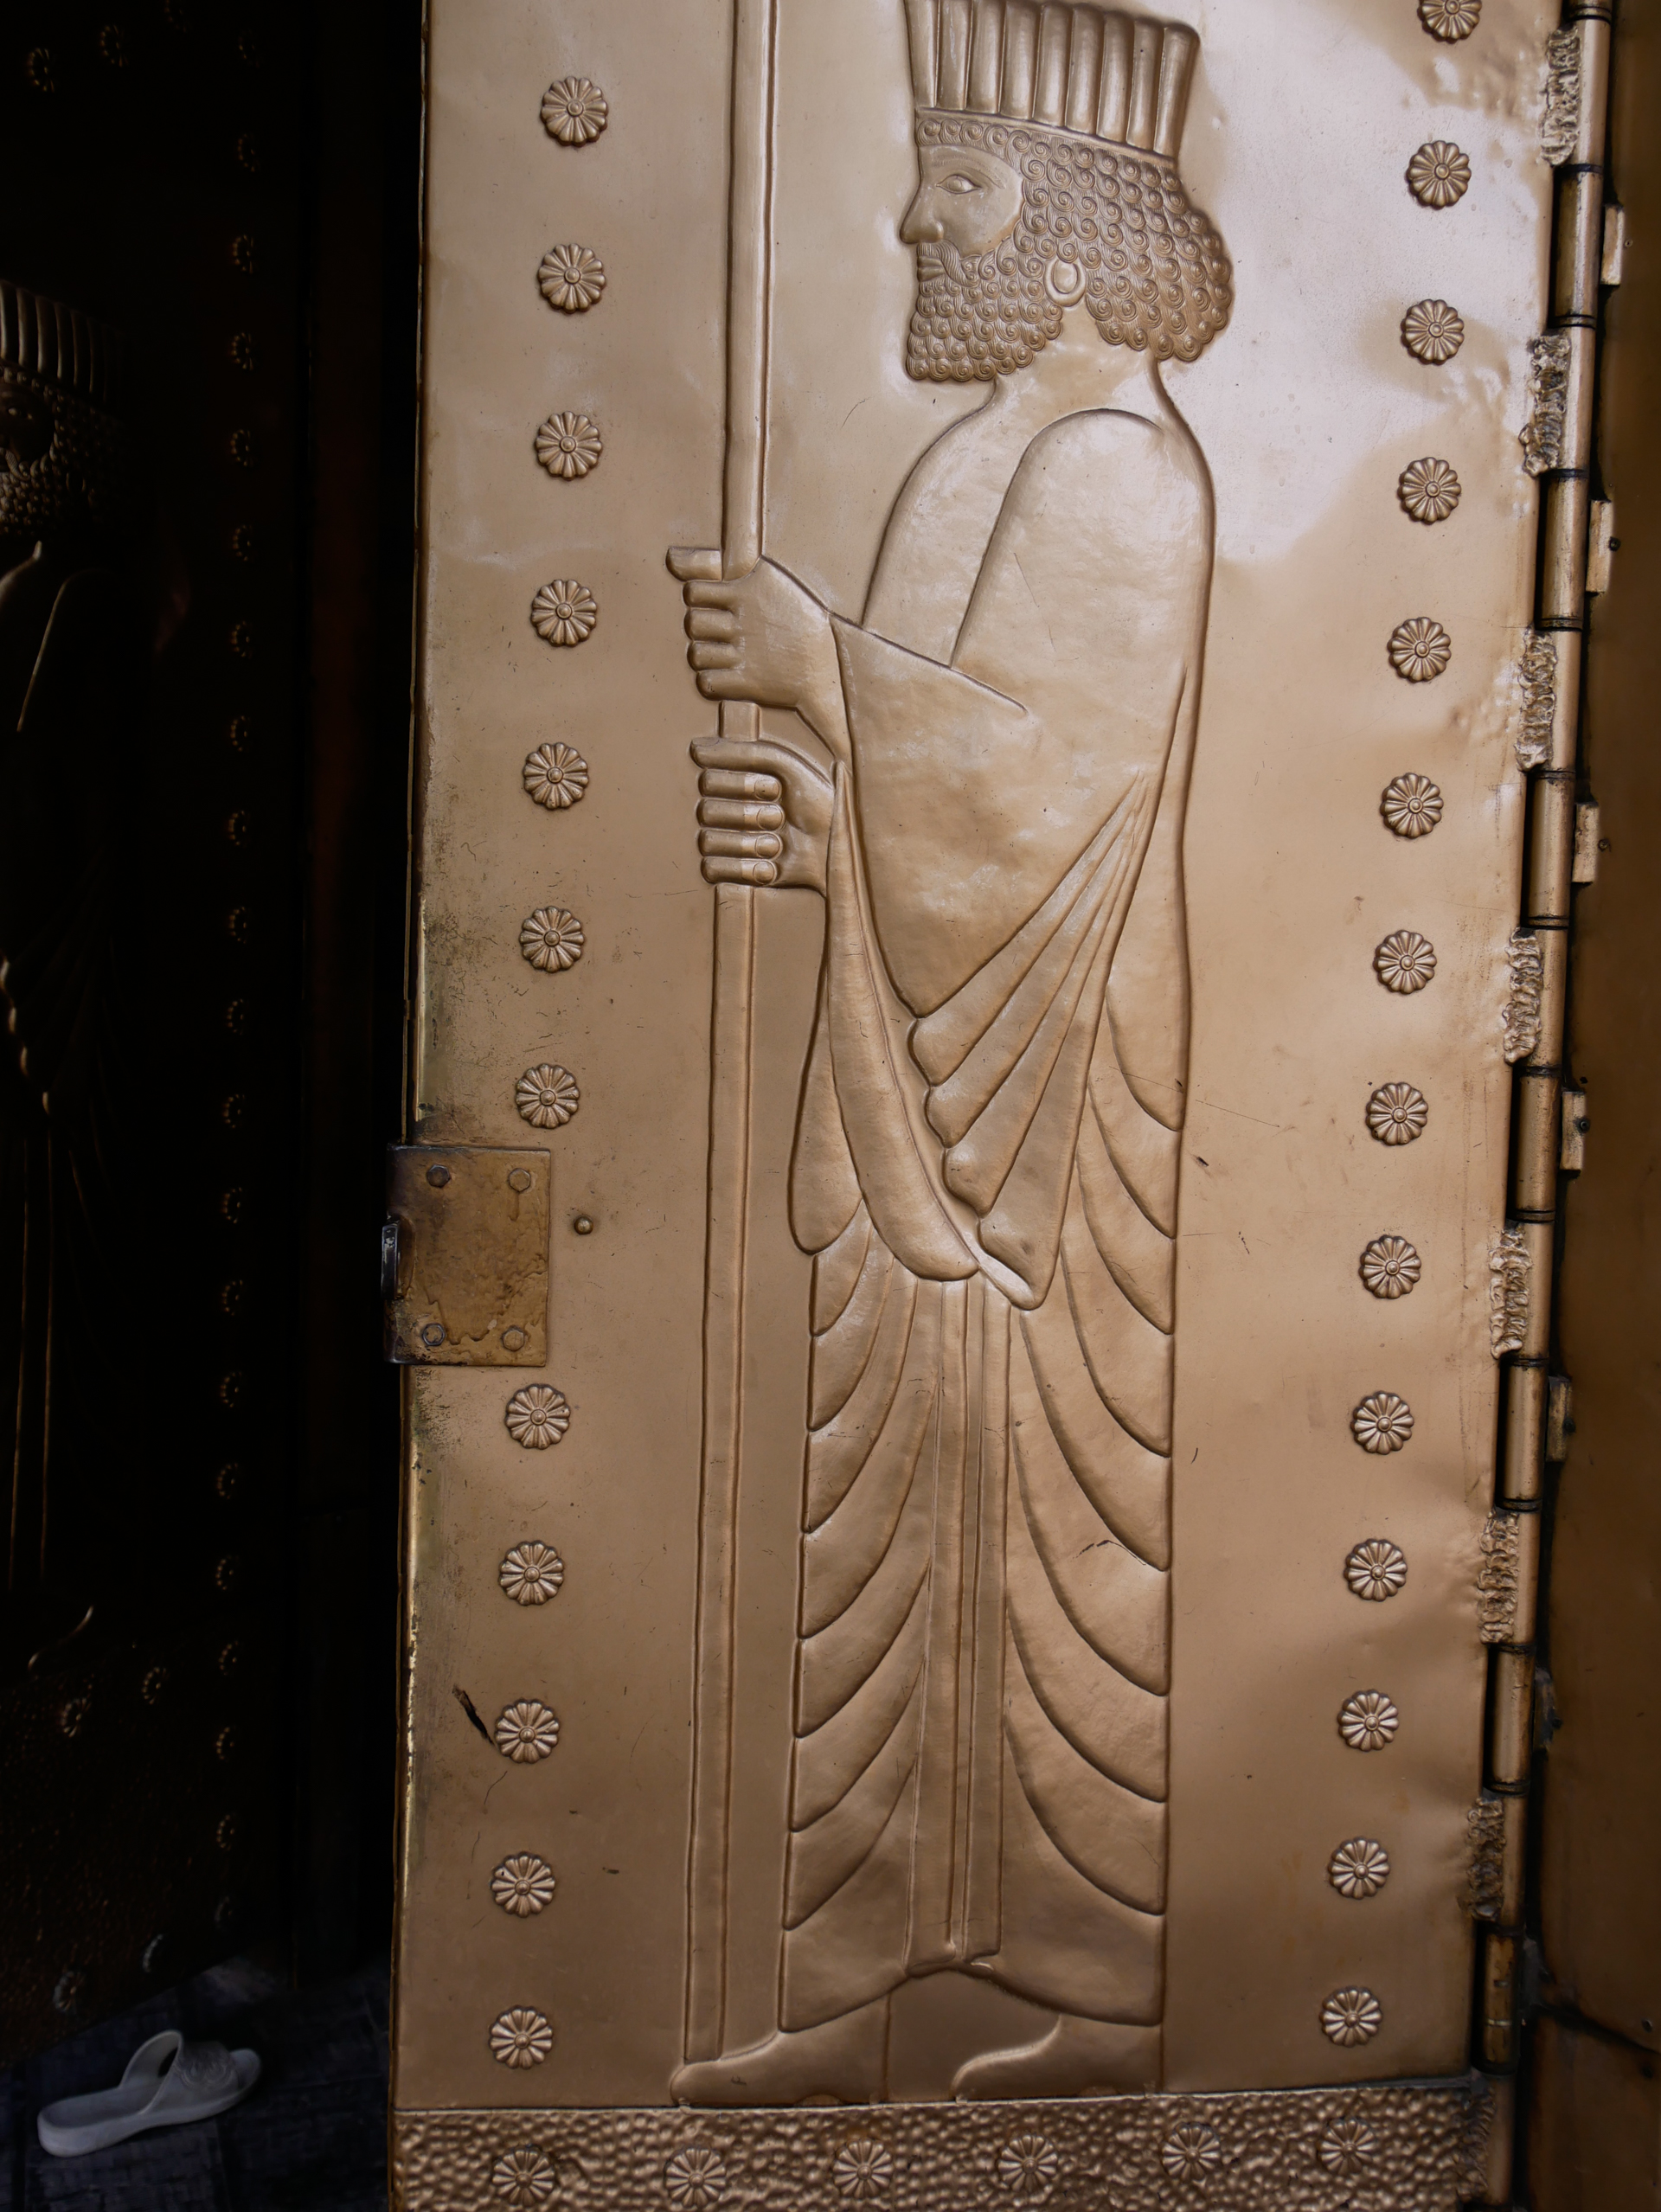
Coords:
1157,276
62,461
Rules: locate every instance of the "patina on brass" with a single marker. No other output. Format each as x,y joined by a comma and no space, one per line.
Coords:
465,1255
1034,1351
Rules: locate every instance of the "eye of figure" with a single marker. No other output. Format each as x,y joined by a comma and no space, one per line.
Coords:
961,183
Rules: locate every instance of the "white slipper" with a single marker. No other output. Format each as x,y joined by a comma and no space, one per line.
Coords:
202,2079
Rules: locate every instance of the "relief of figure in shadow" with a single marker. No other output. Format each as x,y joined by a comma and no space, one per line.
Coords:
89,594
986,1157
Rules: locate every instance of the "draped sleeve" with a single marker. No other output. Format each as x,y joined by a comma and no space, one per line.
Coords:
978,783
987,854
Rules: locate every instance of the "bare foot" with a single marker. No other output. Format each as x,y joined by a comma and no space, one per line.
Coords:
1078,2058
842,2060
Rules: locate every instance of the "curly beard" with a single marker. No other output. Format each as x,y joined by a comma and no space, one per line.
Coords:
976,319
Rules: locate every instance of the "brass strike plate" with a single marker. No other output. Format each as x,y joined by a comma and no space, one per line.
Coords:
463,1255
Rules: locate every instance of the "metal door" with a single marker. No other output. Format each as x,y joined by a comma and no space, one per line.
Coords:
1006,1611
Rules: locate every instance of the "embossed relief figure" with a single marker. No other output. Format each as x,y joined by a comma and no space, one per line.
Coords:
986,1156
78,621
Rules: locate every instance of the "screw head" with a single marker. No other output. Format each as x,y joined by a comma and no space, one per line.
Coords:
437,1175
583,1226
433,1335
519,1179
513,1340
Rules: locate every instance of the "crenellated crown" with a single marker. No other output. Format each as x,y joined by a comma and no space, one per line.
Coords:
1118,78
41,337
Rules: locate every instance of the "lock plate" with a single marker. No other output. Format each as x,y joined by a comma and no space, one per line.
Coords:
465,1255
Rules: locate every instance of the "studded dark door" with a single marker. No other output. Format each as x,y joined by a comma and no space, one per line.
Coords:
178,1559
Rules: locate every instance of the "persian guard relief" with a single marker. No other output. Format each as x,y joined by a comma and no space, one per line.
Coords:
986,1164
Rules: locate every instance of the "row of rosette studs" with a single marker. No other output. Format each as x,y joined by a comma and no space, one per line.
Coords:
1419,650
569,445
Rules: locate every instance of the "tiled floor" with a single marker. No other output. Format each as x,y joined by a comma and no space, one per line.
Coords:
312,2137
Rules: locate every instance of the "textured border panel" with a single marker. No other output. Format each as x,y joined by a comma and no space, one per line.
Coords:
1275,2151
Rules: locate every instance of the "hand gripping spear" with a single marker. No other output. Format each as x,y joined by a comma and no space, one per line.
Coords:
749,255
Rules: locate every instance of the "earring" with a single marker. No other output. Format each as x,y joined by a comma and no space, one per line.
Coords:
1065,282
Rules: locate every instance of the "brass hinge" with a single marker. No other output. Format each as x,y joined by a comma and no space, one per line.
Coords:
463,1255
1578,543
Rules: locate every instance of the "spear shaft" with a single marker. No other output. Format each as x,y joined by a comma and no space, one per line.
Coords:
749,256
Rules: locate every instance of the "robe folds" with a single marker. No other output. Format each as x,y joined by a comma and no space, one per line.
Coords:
985,1173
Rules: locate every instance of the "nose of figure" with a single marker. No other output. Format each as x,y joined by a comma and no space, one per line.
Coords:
920,226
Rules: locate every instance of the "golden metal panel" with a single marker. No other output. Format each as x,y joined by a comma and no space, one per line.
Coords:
933,761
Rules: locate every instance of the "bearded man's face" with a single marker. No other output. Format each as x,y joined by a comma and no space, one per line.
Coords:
976,319
1002,207
980,312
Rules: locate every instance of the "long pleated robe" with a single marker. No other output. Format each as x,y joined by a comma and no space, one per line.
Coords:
985,1170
